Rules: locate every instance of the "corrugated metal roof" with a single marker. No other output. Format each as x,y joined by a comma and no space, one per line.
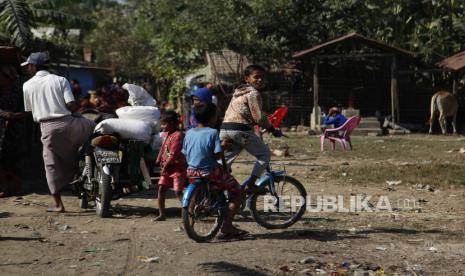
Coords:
353,37
455,62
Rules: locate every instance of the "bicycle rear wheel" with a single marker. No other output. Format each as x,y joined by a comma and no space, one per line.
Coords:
276,211
203,216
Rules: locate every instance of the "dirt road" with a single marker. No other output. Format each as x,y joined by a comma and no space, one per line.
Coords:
424,239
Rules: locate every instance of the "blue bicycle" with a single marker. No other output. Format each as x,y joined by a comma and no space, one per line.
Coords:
204,206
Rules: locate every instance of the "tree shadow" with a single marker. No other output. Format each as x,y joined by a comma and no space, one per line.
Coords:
226,268
336,235
5,214
151,193
6,238
405,231
15,264
126,211
323,235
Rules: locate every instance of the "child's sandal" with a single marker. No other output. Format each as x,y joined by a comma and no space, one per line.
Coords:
231,236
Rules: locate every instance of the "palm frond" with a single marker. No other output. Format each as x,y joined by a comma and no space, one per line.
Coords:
459,24
17,18
53,4
4,37
60,19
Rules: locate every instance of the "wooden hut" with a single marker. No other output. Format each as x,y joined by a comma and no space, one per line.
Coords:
356,72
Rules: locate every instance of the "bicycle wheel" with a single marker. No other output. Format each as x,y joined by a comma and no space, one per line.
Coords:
276,211
203,216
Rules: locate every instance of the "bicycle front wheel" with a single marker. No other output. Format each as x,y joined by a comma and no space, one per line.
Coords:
283,208
203,216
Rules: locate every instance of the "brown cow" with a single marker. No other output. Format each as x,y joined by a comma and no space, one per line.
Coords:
445,105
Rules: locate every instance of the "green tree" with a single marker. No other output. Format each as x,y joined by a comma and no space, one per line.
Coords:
17,17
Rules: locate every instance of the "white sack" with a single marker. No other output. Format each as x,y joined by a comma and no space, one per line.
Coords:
126,128
138,96
147,114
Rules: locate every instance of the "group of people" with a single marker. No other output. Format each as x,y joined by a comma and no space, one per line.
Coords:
197,153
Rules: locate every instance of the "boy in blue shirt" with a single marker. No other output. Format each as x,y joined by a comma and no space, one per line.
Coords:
202,148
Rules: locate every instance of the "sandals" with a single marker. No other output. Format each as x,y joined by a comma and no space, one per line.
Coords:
233,236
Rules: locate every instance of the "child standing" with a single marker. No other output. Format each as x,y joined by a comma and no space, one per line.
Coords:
202,148
171,161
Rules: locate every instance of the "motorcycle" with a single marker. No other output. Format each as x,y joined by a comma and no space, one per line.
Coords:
110,168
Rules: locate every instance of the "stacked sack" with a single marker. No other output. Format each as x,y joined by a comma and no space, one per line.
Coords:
147,114
138,96
126,128
134,122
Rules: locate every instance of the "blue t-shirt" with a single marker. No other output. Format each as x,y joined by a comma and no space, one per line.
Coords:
337,120
200,146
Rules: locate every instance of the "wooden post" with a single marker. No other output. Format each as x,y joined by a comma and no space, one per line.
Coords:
394,100
454,83
316,119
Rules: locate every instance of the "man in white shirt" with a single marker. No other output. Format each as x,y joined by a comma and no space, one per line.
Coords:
51,101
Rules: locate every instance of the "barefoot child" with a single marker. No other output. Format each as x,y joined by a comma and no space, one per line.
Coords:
171,161
202,148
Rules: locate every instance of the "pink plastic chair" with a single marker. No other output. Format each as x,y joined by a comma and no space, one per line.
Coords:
340,134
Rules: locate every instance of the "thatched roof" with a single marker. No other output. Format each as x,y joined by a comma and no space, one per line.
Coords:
226,65
455,62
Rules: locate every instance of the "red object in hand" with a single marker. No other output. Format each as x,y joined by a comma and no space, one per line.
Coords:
276,118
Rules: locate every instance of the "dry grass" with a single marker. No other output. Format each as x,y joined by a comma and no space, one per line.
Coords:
414,159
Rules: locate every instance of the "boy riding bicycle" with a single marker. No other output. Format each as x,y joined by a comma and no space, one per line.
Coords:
243,113
202,148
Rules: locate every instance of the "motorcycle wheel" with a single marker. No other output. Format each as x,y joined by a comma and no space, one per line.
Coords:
102,201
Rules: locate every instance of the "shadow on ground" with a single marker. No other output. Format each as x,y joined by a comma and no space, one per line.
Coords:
4,238
127,211
4,214
335,235
225,268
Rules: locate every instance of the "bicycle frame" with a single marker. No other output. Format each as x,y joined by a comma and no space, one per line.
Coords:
190,189
266,179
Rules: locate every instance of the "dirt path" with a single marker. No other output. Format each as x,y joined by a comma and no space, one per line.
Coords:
407,241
